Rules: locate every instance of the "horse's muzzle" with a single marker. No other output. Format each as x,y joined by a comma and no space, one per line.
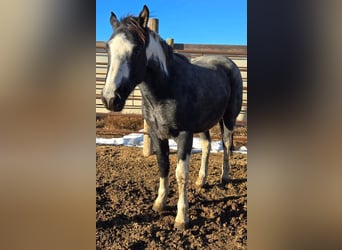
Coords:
115,103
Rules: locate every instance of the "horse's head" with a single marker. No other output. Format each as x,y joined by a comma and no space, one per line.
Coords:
127,58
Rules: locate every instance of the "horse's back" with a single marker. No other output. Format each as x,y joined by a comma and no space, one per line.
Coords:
214,61
216,90
235,82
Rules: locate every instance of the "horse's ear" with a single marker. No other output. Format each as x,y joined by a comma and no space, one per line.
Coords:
143,16
113,20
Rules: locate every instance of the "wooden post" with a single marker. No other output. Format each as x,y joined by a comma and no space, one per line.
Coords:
170,42
147,149
153,24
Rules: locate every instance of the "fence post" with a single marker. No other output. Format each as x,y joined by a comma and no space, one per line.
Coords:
153,24
170,42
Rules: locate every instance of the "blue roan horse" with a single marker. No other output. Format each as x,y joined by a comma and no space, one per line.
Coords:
179,99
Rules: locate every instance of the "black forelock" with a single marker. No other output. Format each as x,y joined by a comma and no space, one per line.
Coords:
131,27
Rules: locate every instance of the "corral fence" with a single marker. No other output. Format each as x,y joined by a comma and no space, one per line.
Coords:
133,104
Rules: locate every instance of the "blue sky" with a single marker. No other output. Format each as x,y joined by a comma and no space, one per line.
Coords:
186,21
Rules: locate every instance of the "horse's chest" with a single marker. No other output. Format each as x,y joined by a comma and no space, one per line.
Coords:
163,123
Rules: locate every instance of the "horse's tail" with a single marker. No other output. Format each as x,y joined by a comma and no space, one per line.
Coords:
235,99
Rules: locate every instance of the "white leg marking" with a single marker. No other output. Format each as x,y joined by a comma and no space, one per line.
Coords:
182,173
226,156
120,49
203,173
163,192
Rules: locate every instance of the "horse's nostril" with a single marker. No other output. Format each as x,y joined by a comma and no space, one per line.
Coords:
111,103
117,94
108,104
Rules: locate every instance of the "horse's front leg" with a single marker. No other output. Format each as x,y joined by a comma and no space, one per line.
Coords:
162,151
184,144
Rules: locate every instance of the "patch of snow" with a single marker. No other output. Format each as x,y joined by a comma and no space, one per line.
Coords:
242,150
110,141
216,146
133,140
137,140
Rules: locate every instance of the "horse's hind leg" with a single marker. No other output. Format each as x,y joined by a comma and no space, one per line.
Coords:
206,147
227,142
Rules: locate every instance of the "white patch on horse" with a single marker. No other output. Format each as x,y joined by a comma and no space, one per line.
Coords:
163,192
120,50
182,173
155,51
203,173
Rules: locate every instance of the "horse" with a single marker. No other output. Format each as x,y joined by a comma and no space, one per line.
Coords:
179,98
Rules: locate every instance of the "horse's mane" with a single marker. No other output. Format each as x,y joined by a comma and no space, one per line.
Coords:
183,57
132,24
168,50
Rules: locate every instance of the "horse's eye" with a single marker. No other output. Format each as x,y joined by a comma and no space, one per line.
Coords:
136,52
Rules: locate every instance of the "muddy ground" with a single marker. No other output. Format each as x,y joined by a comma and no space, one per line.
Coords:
127,184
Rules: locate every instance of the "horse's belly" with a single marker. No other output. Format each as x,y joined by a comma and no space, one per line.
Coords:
206,116
205,125
166,121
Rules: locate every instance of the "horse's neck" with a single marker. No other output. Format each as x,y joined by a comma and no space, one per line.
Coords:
157,53
155,82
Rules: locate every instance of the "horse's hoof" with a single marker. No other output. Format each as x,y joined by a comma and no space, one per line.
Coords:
224,181
158,207
200,182
181,225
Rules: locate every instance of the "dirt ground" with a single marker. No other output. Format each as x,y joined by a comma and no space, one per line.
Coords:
127,184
